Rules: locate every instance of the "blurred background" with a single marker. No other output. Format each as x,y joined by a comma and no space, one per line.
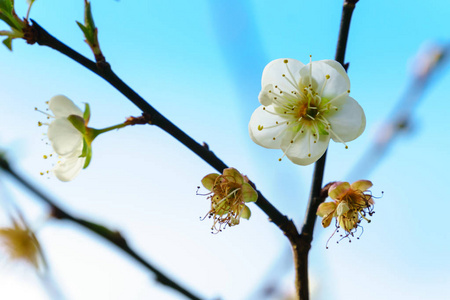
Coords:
200,64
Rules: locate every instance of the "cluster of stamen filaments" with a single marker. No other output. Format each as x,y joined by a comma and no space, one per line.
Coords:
226,204
360,207
48,116
303,109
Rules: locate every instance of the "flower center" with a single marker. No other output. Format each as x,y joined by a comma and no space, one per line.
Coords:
226,204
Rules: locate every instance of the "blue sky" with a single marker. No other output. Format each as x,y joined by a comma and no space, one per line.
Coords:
200,64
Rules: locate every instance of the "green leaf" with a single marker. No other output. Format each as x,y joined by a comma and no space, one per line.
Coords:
86,32
6,6
89,26
7,20
88,19
8,43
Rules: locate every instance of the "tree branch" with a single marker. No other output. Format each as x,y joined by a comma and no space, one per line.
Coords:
114,237
303,242
40,36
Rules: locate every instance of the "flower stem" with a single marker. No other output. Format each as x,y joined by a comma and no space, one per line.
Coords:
113,237
103,130
303,243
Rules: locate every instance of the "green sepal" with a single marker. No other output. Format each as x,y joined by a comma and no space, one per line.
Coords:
231,174
248,193
209,180
85,149
246,213
78,123
8,43
88,157
86,152
87,113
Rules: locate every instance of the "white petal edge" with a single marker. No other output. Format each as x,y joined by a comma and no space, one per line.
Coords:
273,74
348,122
265,137
265,97
298,151
69,167
61,106
337,84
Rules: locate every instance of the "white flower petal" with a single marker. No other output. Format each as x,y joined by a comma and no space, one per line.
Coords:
64,137
305,97
61,106
265,137
348,122
273,74
303,145
69,167
337,84
266,95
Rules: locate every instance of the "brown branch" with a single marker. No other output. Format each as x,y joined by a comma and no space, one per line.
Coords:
302,244
40,36
114,237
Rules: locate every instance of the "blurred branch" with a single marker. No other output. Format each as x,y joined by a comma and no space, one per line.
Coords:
42,37
301,243
113,237
426,65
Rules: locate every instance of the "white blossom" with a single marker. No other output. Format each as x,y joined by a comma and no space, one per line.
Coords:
66,140
303,106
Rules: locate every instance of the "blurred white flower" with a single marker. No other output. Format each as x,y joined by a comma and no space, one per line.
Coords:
303,106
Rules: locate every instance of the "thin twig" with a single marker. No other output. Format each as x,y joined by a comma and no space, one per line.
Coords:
399,121
113,237
42,37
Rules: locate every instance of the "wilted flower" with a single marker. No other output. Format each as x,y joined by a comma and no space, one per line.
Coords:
352,203
229,193
20,244
303,107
